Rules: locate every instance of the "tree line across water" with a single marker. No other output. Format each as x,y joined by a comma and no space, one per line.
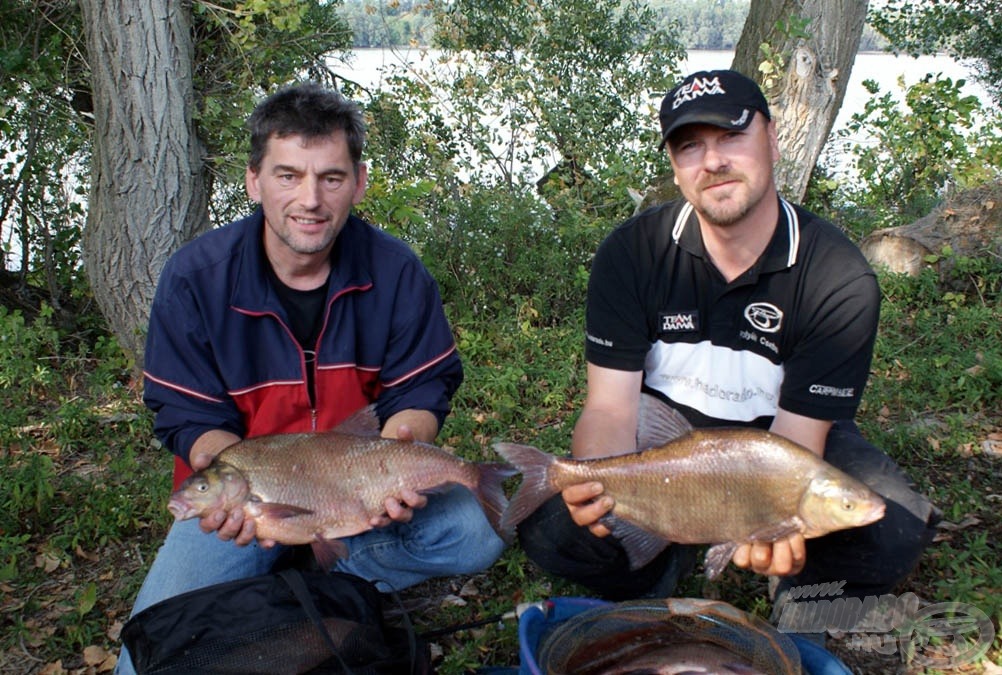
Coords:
701,24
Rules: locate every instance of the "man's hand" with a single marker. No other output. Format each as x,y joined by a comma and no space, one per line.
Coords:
779,558
587,505
400,509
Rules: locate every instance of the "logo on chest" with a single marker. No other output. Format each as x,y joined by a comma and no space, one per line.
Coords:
764,316
678,322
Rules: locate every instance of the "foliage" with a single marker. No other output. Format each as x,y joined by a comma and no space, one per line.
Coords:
43,142
243,48
966,29
930,140
380,24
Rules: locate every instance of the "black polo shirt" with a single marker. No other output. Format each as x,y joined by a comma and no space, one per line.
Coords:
795,331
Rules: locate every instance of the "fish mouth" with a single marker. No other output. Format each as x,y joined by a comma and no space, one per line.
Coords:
179,509
877,511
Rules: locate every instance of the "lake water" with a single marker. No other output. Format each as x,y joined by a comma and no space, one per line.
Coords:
368,67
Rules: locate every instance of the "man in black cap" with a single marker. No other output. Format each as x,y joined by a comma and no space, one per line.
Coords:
736,308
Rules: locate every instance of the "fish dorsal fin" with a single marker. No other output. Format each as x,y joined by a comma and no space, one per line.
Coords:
363,422
658,423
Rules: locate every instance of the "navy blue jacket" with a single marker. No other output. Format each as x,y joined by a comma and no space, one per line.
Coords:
220,355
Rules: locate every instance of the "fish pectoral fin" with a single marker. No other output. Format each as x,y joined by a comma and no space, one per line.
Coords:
281,511
718,557
328,552
641,545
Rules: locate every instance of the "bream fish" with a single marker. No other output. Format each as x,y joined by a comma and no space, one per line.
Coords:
720,486
315,488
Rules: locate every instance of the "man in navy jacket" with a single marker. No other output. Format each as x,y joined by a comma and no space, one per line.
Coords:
290,320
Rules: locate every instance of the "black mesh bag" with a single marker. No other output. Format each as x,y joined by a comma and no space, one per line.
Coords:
286,623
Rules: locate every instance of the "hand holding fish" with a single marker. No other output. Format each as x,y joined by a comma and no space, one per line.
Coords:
777,558
227,524
400,510
587,505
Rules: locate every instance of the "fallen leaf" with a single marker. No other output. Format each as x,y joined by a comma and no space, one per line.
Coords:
469,589
991,669
47,561
55,668
108,665
95,654
968,521
114,631
93,557
453,601
992,447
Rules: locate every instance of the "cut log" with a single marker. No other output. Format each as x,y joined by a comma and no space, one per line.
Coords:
969,224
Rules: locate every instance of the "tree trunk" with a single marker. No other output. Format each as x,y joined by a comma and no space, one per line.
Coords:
809,89
968,225
147,194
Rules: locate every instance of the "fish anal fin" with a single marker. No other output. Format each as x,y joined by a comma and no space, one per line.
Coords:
641,546
717,558
720,555
328,552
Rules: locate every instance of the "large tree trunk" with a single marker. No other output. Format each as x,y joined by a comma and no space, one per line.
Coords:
147,194
808,93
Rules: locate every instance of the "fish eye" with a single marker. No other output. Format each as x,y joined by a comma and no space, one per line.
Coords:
847,505
202,487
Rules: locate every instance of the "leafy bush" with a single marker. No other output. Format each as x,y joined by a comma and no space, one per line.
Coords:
934,141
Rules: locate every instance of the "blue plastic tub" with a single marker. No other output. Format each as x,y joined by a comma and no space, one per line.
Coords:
538,618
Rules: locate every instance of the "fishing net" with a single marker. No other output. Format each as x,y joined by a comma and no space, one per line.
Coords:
288,623
600,640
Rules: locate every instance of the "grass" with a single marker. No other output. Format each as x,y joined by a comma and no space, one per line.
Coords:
84,485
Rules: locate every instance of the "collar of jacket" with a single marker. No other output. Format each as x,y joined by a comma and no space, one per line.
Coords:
351,266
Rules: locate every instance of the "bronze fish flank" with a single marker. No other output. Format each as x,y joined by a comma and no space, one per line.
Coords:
724,487
314,488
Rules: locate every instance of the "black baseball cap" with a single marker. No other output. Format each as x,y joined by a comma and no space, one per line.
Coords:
723,98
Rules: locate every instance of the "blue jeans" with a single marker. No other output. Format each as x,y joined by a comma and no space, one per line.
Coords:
449,536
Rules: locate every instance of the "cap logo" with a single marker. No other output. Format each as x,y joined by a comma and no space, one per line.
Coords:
741,120
700,86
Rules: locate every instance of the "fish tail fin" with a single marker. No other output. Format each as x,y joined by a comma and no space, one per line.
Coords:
490,492
536,487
